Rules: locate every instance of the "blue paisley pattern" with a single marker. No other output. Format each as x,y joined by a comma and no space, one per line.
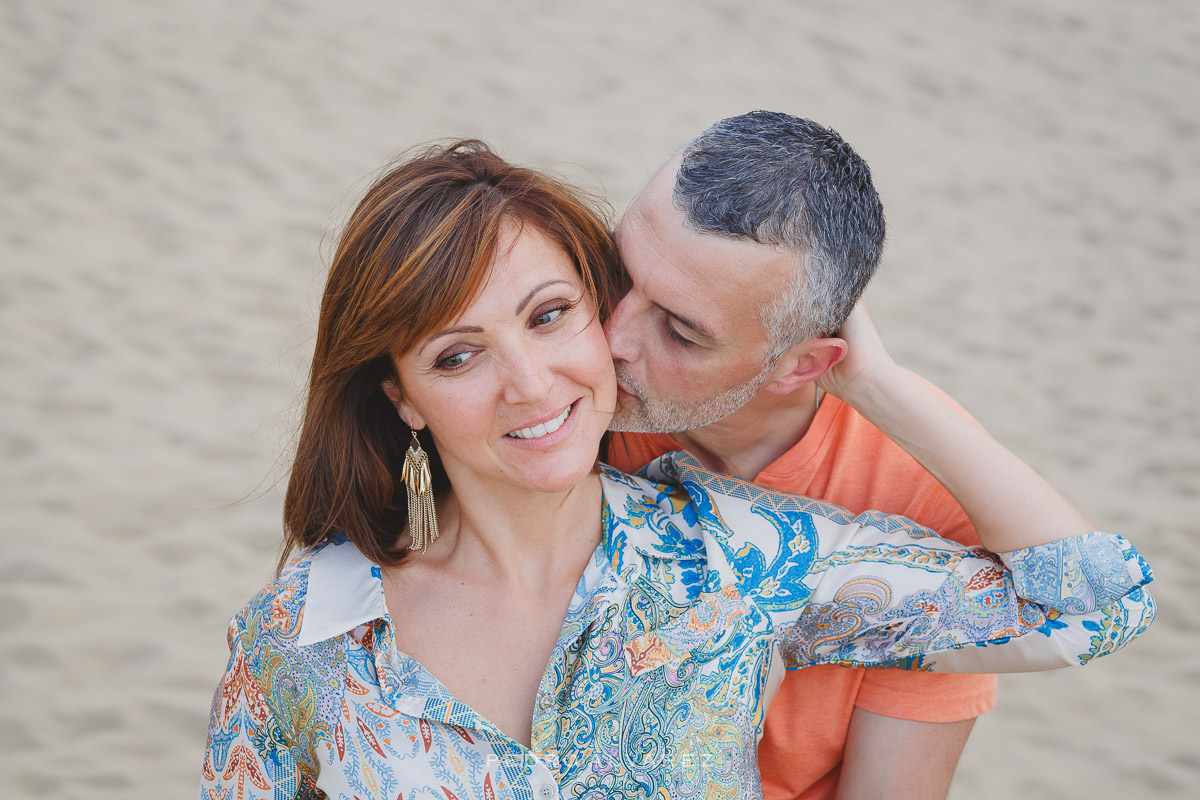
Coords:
702,587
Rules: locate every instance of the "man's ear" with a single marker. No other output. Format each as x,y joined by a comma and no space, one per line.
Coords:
806,362
406,411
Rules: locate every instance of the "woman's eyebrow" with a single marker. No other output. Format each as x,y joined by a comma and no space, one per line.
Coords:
520,307
461,329
529,297
432,340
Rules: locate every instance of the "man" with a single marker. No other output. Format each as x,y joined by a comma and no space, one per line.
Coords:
745,252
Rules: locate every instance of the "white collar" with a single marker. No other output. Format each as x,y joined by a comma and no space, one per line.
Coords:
345,590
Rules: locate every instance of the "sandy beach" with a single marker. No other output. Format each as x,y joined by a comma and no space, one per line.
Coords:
172,175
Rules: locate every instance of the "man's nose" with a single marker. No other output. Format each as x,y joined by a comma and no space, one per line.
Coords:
618,330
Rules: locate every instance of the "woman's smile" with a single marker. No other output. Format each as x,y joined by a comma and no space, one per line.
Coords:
541,433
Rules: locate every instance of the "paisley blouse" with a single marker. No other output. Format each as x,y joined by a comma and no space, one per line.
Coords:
702,589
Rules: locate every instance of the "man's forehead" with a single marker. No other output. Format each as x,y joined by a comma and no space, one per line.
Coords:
658,245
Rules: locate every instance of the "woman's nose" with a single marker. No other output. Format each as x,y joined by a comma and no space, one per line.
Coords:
530,377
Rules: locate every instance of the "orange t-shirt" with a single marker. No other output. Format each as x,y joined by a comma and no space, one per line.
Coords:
845,460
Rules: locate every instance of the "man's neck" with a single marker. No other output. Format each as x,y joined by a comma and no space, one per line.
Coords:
756,435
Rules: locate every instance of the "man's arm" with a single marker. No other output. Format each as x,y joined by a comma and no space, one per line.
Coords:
900,759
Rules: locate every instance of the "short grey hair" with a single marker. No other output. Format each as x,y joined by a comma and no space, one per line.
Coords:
784,181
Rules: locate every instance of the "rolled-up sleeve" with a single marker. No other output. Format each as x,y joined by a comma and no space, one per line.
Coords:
928,604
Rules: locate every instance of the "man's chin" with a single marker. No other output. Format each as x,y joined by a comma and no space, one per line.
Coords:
630,416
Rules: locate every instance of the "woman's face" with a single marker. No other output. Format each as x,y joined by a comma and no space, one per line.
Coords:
520,388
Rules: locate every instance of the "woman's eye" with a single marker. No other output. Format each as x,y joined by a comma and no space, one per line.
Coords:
548,316
453,360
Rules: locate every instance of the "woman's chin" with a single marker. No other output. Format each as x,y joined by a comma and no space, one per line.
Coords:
556,478
560,469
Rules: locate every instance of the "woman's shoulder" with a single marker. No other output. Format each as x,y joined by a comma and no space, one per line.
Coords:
675,501
654,518
720,499
765,542
276,612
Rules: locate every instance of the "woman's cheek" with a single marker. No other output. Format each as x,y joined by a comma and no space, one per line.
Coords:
464,405
601,364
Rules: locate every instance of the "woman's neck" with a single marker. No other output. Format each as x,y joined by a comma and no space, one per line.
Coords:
523,538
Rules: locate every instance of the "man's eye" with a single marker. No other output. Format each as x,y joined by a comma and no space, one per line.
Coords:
548,316
674,336
453,361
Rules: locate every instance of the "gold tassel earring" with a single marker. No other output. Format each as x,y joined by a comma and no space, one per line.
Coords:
422,519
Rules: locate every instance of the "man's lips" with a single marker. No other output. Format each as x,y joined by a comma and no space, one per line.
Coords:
623,392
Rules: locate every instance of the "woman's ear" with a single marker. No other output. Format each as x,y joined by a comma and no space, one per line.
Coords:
406,411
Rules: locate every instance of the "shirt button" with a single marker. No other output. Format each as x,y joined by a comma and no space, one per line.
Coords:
546,701
546,791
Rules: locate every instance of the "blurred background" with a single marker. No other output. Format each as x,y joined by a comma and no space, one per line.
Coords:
172,174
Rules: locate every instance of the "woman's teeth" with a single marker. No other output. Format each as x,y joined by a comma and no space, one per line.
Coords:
538,431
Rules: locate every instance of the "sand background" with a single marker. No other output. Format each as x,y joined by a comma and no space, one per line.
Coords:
168,171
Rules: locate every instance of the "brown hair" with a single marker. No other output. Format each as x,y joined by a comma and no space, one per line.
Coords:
413,256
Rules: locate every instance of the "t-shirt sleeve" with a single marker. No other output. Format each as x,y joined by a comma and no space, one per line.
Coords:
926,697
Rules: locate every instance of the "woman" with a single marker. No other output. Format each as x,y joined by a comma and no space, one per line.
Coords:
549,627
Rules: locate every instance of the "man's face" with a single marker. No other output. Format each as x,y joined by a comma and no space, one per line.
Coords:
687,340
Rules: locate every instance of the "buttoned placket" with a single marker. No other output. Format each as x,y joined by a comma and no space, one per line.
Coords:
542,783
608,589
546,773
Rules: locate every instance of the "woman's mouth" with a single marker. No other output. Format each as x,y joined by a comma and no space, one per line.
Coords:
542,429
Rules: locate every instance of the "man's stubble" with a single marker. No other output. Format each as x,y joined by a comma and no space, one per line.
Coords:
643,415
